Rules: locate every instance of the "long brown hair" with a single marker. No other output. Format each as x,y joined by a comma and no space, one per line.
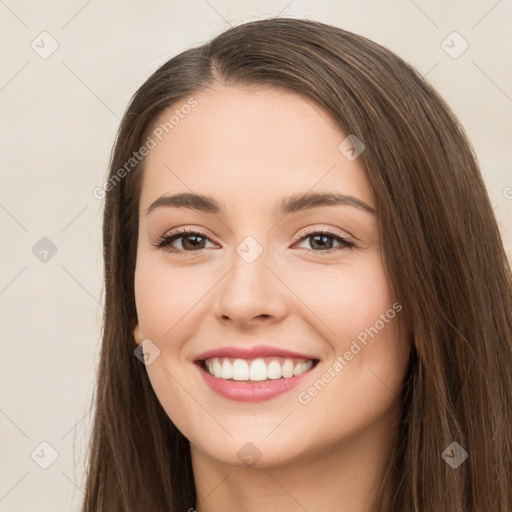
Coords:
442,251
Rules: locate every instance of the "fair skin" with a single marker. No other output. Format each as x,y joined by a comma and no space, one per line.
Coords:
248,148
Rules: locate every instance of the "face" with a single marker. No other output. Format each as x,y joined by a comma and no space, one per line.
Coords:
284,300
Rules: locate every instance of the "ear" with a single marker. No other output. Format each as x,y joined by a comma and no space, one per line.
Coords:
137,335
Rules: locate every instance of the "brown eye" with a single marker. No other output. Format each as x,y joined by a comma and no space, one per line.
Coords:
191,241
322,241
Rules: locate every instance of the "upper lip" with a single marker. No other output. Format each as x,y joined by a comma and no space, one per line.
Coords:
251,353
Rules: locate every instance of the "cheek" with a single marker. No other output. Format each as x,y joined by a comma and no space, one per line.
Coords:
343,299
165,295
165,298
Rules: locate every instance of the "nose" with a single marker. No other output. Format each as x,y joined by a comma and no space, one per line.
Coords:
251,293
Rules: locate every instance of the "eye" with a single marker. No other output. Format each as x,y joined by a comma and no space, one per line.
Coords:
319,239
192,241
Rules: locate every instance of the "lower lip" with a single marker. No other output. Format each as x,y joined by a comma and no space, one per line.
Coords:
251,392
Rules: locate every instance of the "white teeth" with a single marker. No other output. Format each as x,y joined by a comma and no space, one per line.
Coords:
274,370
217,368
227,370
302,367
287,369
240,369
257,370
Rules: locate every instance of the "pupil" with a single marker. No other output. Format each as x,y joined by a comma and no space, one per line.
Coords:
194,245
321,238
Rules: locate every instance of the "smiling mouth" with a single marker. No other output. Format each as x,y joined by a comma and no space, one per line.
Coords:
256,370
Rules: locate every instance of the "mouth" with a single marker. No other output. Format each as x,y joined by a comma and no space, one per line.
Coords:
253,374
256,370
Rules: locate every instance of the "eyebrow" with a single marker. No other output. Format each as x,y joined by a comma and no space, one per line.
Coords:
289,204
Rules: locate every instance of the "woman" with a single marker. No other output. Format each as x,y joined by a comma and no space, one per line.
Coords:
341,337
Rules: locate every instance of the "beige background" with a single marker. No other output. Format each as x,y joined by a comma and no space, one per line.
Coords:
59,119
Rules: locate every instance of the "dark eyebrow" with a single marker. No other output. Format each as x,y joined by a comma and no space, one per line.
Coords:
290,204
299,202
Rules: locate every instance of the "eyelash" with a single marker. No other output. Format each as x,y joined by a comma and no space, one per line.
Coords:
167,239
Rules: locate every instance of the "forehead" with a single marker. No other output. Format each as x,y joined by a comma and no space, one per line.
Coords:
247,145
